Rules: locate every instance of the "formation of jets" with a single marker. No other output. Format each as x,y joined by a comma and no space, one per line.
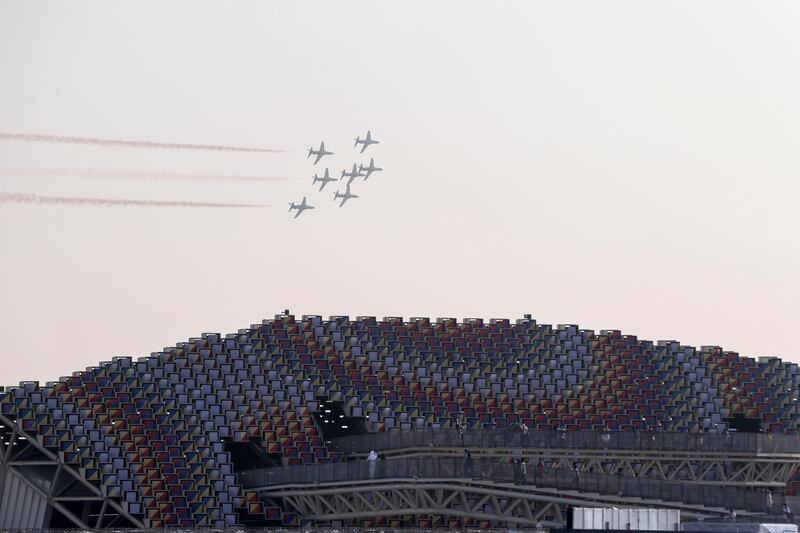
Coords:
358,171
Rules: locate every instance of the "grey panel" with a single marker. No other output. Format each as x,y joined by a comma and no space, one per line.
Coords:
22,506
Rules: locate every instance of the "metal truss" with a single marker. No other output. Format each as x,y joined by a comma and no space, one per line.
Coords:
480,500
748,472
64,488
703,468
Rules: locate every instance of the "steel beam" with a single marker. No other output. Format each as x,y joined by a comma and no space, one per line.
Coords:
481,500
700,468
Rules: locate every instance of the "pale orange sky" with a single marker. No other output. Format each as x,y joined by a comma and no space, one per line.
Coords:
621,165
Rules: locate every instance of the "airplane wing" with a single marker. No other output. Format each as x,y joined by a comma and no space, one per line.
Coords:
364,148
298,213
369,173
344,199
369,137
319,156
323,185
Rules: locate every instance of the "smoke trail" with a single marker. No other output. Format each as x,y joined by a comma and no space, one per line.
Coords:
84,173
27,198
41,137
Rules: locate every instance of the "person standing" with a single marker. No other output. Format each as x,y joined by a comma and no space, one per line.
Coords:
540,469
462,427
606,437
371,459
486,467
467,464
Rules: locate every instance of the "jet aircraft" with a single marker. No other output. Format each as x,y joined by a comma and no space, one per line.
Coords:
369,169
346,196
324,179
319,153
300,207
366,142
355,173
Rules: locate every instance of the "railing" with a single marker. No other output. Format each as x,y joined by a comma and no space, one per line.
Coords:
741,443
505,472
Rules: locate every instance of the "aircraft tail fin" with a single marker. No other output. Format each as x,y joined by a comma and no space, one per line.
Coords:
291,206
357,141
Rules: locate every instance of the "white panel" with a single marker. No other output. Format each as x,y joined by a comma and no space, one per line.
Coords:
579,518
662,521
622,517
635,520
597,518
779,528
578,514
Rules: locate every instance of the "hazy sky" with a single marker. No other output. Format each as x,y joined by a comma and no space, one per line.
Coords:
630,165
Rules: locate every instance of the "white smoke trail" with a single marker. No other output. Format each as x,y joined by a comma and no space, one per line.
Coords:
86,173
27,198
64,139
